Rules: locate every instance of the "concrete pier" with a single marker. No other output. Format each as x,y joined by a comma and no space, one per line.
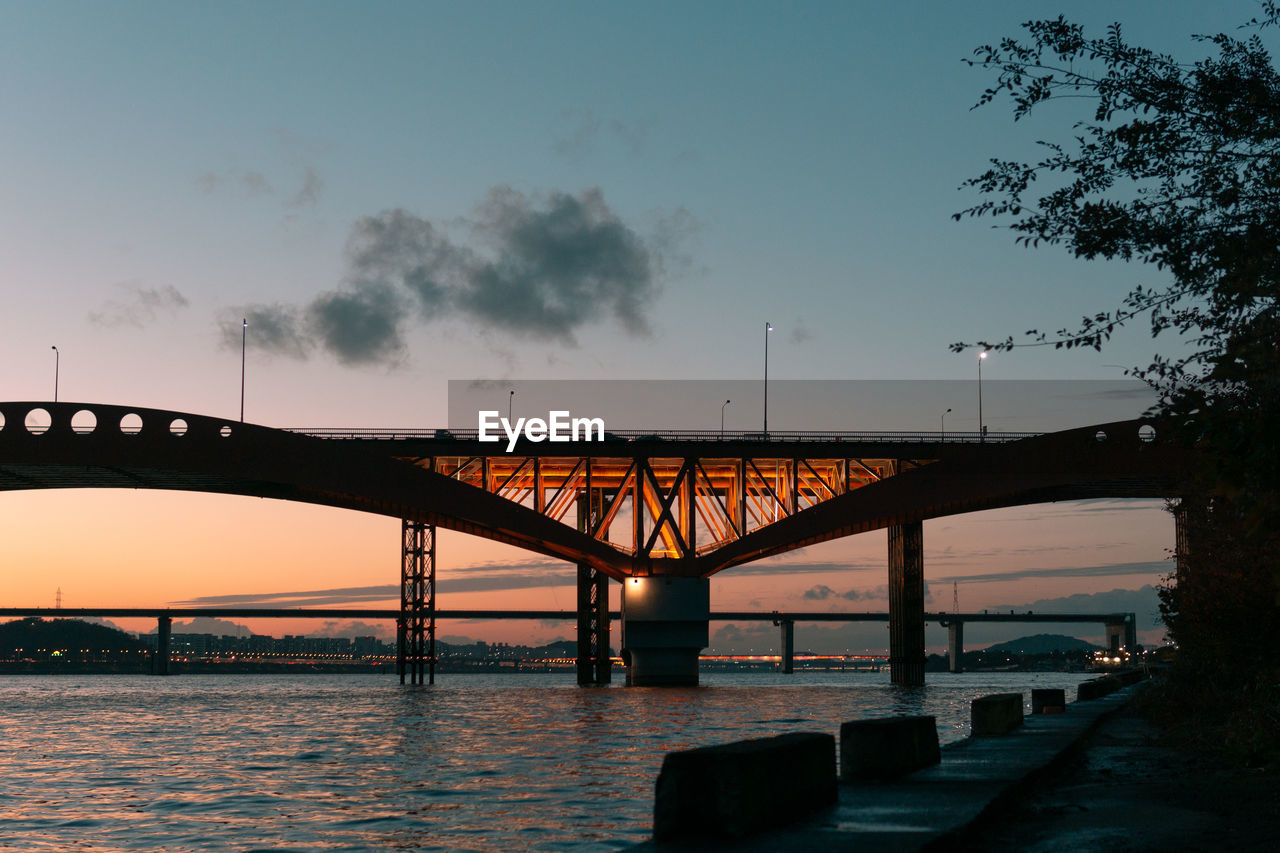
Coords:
906,604
163,631
787,646
664,628
955,645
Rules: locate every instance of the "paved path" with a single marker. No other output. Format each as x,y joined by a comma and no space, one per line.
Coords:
977,777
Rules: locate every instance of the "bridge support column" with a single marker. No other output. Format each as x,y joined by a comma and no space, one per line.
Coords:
906,604
787,646
594,665
664,627
1115,636
416,628
163,632
955,645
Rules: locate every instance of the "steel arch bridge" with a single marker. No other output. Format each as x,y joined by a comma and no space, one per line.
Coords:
634,505
689,504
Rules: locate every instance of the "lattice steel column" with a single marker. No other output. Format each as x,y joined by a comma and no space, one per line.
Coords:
416,628
594,665
906,604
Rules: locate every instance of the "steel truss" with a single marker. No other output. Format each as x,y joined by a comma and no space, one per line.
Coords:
416,627
671,507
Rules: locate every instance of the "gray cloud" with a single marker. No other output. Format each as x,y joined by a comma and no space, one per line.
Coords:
354,628
536,268
490,577
248,183
139,306
1110,570
272,328
581,131
799,333
309,193
252,184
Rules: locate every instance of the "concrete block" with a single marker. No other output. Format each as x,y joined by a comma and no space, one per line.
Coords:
1096,688
1130,676
1048,700
886,747
997,714
741,788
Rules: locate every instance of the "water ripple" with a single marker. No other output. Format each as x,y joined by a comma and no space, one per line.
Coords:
353,763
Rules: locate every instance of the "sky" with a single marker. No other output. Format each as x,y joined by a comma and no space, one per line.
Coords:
397,195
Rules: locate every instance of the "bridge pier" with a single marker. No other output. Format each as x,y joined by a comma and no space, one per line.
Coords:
787,646
1122,634
594,664
906,604
955,645
164,629
664,628
416,627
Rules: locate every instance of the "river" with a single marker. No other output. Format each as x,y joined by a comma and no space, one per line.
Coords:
356,762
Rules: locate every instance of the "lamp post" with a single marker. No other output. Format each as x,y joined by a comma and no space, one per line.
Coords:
57,364
722,405
982,432
511,399
768,327
944,425
244,341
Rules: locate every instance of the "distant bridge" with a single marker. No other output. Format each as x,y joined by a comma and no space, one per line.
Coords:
1120,627
675,507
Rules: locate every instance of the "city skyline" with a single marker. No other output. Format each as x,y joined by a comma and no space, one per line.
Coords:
383,194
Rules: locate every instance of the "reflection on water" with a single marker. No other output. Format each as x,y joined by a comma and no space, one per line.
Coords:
476,762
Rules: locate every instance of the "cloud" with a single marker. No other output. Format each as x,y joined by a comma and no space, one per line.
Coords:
819,593
1143,602
208,625
250,184
272,328
539,268
309,193
578,136
799,332
581,132
354,628
1158,567
139,306
487,577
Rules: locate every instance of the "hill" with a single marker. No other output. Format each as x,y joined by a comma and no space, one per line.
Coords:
36,638
1043,644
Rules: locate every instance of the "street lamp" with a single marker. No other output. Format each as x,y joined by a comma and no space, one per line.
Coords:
768,327
982,431
511,399
722,405
57,364
244,341
944,424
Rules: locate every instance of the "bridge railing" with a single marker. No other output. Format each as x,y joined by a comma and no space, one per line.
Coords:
625,435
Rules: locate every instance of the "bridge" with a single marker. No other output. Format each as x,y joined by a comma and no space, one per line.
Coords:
1120,627
660,512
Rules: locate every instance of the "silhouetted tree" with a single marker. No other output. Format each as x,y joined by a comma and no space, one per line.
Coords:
1177,166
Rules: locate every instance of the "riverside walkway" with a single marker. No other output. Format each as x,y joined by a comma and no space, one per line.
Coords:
931,808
